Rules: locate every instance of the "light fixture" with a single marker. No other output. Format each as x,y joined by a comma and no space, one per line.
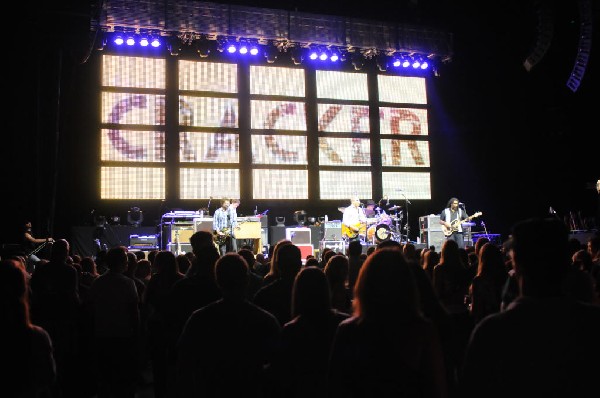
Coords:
405,61
271,53
144,41
335,55
119,40
203,47
174,45
155,42
280,221
300,217
381,61
101,42
358,60
253,49
297,56
135,216
99,221
323,55
130,41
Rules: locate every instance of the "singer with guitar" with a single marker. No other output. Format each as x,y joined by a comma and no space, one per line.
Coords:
222,227
32,245
354,220
452,218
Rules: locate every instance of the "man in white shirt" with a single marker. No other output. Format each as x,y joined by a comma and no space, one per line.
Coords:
354,221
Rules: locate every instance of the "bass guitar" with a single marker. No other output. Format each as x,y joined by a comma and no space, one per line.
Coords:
350,233
456,223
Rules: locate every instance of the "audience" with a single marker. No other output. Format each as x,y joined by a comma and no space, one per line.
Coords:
29,369
388,348
544,344
226,346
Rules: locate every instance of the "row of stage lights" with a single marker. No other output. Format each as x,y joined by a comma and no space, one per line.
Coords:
298,54
143,41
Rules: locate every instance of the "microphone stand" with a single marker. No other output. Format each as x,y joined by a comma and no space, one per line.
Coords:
208,206
407,227
487,235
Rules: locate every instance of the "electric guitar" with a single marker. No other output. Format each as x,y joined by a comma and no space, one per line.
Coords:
220,240
456,223
350,233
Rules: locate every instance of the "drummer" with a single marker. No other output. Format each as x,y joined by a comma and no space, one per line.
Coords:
371,209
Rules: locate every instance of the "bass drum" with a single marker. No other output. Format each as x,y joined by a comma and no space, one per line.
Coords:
379,233
382,232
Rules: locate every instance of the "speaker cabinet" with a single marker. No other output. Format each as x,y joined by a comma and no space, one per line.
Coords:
264,235
248,230
433,238
182,233
203,224
298,236
332,230
305,250
277,234
430,223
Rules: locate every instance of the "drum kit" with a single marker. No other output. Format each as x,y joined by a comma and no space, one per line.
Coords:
382,226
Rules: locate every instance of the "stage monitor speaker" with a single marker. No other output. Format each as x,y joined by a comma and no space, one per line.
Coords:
332,230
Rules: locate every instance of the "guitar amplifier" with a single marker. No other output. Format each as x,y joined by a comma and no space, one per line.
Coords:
433,238
332,230
430,223
298,236
137,242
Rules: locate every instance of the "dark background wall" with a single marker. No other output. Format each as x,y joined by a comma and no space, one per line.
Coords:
507,142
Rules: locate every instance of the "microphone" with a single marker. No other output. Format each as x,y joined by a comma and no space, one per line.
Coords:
387,200
256,210
551,211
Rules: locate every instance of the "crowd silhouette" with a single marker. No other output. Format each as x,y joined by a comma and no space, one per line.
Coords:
517,319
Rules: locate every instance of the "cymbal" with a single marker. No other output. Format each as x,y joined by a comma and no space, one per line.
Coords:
394,208
341,209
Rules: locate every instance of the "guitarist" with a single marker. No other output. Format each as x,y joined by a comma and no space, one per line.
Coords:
222,227
354,220
234,203
451,213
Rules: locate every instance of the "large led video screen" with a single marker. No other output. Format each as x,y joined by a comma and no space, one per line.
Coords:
262,124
